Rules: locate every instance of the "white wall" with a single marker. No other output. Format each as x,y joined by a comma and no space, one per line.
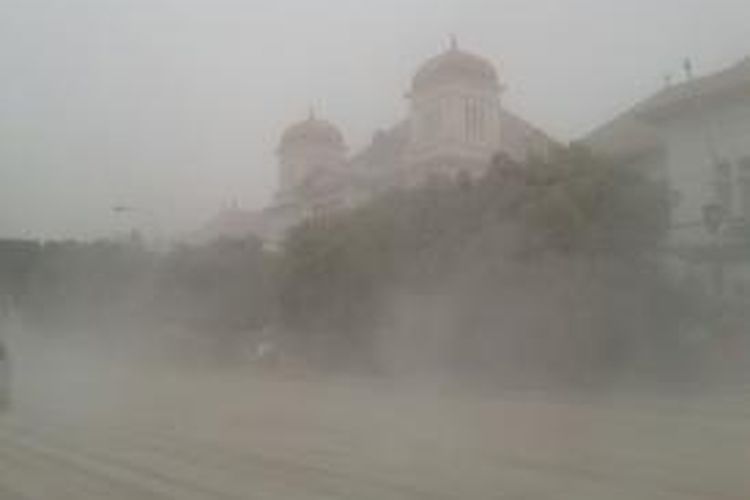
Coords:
439,126
296,164
690,163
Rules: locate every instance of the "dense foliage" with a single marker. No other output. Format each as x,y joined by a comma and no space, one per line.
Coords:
221,287
535,271
547,262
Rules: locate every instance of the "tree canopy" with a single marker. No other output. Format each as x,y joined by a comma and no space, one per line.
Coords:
544,266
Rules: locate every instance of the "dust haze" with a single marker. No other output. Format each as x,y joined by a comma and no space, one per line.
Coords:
117,103
179,405
408,250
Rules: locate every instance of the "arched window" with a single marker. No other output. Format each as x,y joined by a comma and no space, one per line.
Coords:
469,119
474,120
481,129
432,120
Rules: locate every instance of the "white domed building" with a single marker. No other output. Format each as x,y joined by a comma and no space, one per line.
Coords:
454,120
312,165
455,124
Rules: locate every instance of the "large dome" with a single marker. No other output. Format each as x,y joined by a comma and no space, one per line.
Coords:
455,65
312,131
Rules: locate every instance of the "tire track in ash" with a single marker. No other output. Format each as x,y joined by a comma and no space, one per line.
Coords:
35,474
232,474
207,470
45,469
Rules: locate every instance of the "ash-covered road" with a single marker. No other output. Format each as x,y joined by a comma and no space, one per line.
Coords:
242,439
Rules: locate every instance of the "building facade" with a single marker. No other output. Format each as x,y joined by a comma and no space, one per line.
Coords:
695,137
456,123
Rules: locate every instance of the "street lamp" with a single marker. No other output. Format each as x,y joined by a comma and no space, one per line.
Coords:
714,216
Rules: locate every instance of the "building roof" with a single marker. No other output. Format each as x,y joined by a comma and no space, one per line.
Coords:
518,137
388,148
312,131
625,137
454,65
674,99
634,133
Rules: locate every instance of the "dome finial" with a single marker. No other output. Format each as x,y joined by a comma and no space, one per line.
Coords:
454,42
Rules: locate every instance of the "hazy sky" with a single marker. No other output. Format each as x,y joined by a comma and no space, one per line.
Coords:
176,106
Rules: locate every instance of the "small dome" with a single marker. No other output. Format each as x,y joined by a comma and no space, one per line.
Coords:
455,65
312,131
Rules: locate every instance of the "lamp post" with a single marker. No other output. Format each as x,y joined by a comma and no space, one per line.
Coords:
714,216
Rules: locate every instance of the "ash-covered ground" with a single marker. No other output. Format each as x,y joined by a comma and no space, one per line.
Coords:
82,429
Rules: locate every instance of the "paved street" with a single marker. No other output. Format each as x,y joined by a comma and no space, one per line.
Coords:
238,439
